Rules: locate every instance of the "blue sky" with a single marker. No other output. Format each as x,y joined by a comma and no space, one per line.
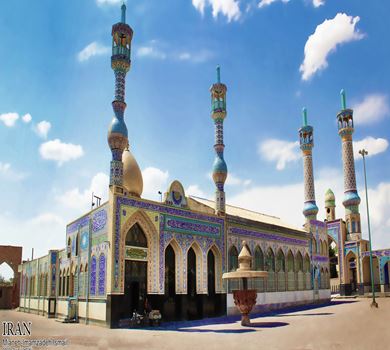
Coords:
276,57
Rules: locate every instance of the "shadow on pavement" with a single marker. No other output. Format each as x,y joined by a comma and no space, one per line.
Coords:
184,326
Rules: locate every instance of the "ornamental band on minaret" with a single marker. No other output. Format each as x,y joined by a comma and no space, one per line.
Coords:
310,208
218,113
120,63
351,198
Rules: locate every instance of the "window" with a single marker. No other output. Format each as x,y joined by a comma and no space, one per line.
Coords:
136,237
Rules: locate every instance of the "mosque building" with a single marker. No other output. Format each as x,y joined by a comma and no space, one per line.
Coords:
134,254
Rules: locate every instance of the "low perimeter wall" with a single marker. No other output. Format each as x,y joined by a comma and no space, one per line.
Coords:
280,300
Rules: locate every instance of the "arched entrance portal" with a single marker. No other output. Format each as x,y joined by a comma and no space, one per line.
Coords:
352,272
135,270
334,267
171,308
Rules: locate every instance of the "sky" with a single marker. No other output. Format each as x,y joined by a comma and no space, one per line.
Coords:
276,57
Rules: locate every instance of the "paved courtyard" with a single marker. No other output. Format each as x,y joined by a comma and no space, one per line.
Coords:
344,324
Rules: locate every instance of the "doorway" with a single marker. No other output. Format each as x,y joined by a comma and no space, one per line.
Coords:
135,286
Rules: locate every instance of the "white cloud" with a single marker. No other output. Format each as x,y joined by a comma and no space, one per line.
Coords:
27,118
228,8
48,219
151,52
59,151
371,109
264,3
195,57
80,200
108,2
9,119
325,39
154,180
42,128
371,145
194,190
48,228
318,3
93,49
279,151
8,173
233,180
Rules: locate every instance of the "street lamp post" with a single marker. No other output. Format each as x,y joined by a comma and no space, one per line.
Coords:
363,153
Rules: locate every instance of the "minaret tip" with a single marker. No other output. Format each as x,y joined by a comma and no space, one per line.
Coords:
343,99
123,8
304,116
218,74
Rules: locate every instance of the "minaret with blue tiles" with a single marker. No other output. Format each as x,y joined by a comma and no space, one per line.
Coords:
122,35
306,141
351,198
218,114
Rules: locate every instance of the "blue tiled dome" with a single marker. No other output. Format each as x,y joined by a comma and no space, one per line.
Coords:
219,165
117,126
351,198
310,208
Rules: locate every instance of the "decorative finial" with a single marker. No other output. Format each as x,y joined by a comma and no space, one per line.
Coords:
304,116
123,8
218,74
343,99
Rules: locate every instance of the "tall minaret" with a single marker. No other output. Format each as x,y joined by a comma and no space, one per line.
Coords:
218,113
120,63
351,198
310,208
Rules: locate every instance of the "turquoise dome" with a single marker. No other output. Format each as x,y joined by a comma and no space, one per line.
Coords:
310,208
351,198
118,126
219,165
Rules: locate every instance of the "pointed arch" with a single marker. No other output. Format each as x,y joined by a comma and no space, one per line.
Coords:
270,267
232,266
199,271
217,267
307,271
178,262
281,270
258,265
233,258
290,271
151,234
299,270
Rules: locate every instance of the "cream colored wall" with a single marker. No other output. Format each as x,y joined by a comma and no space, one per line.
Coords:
280,298
97,311
62,307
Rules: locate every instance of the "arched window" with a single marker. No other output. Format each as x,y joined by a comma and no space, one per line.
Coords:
270,267
136,237
290,271
233,259
191,273
306,270
232,266
259,259
280,262
280,269
259,266
170,265
299,271
77,244
92,289
69,248
102,274
211,273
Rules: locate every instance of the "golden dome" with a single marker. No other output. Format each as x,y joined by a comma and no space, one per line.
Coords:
132,176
